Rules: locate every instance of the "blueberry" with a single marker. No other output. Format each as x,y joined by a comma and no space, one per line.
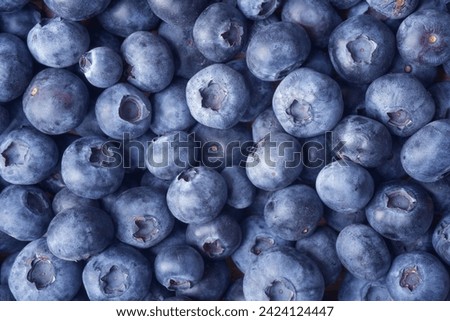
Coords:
400,102
6,267
241,192
265,123
77,10
217,96
38,275
440,239
5,293
422,242
439,192
150,61
20,22
424,155
392,167
188,59
157,293
89,167
79,233
307,103
354,289
16,67
258,9
123,110
400,211
344,4
216,239
363,252
102,38
365,141
142,217
315,156
235,291
394,9
4,119
150,180
89,125
116,17
319,60
213,284
119,273
293,212
101,66
339,220
178,12
256,238
361,49
283,274
27,156
179,267
418,276
277,49
197,195
170,154
12,5
56,101
423,37
170,110
440,91
275,162
344,186
8,244
318,18
426,74
57,42
26,212
175,238
220,32
65,199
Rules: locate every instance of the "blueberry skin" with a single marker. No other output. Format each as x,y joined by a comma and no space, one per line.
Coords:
116,17
101,66
77,234
220,32
423,37
283,274
25,213
12,5
8,244
56,101
241,192
188,59
5,119
426,74
175,238
103,38
439,192
170,154
315,156
440,91
425,155
394,9
77,10
275,162
318,18
400,102
354,289
215,281
265,123
170,110
363,252
123,110
321,247
5,293
420,243
57,42
440,240
307,103
65,199
141,217
418,276
361,49
157,184
16,67
150,61
38,275
27,156
339,220
217,96
277,49
197,195
258,9
344,186
223,147
344,4
367,142
392,167
119,273
6,267
294,212
319,60
256,238
400,211
235,291
179,267
89,167
20,22
216,239
178,12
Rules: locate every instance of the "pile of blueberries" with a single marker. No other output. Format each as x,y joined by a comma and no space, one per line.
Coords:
224,150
